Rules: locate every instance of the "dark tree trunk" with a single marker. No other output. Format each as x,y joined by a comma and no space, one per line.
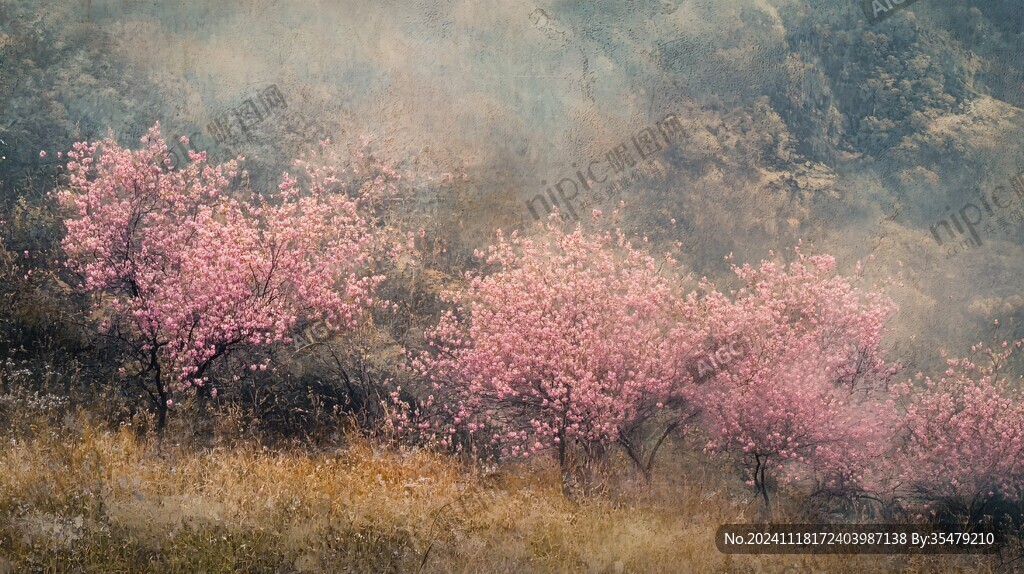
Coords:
161,391
760,466
161,409
563,462
635,453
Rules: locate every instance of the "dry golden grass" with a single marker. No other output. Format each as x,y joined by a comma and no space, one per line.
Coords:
75,498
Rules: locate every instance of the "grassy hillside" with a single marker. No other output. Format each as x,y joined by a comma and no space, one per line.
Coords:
78,497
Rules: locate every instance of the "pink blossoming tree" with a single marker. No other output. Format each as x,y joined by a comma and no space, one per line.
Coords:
962,436
564,345
186,271
801,401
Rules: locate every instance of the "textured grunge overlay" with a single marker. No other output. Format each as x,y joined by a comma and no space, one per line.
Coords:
789,120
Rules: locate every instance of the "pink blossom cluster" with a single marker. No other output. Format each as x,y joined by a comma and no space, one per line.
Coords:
566,340
582,339
571,342
186,270
962,434
803,404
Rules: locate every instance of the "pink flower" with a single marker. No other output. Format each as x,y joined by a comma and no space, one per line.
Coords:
605,316
249,268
